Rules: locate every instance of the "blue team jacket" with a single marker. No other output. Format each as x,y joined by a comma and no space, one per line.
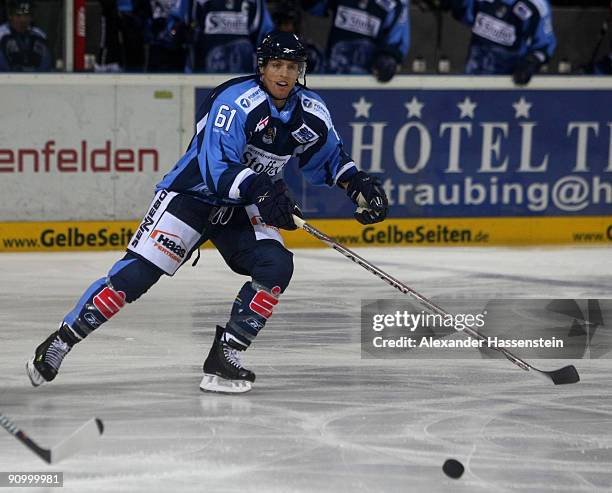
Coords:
240,133
504,31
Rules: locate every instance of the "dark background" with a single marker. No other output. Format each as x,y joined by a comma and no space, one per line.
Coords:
577,24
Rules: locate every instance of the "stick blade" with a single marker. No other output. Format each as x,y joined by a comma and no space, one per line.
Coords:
563,376
82,437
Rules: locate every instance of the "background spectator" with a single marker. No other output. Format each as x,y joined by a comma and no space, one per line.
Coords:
366,36
508,36
287,17
167,36
226,33
23,47
122,44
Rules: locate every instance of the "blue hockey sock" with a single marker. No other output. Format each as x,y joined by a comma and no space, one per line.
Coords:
252,308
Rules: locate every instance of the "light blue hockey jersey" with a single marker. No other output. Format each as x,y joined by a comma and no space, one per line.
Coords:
240,133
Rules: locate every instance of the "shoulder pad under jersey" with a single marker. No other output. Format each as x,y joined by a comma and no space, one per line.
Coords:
38,32
542,6
4,30
386,5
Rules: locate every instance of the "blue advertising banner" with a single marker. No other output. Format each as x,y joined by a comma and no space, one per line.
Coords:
472,153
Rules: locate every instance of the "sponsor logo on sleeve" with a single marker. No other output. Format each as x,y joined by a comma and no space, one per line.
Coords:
318,109
250,99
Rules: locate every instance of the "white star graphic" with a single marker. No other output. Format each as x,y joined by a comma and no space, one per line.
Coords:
362,108
521,108
467,108
414,107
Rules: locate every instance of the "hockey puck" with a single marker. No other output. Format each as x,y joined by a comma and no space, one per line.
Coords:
453,468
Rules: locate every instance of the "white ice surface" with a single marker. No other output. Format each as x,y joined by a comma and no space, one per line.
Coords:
319,417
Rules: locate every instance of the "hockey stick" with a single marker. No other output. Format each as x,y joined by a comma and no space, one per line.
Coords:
90,430
565,375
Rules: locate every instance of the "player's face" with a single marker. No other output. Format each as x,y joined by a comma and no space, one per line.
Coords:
20,22
280,76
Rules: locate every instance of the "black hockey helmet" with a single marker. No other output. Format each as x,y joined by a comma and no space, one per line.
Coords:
281,45
19,7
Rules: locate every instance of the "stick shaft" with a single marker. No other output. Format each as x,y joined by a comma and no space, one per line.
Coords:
78,439
12,428
400,286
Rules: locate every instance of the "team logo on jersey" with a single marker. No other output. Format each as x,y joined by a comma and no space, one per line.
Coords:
262,123
307,103
269,135
522,11
245,103
304,134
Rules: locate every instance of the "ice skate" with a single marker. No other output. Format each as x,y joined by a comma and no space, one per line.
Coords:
223,371
48,357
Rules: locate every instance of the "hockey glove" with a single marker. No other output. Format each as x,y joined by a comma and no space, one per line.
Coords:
525,68
384,67
368,194
276,207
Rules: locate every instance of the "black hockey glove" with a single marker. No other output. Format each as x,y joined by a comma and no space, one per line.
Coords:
384,67
525,68
275,205
368,194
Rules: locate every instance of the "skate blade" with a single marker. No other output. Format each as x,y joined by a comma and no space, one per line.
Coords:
36,379
214,383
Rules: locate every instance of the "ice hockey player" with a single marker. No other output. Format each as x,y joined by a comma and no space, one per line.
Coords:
223,190
23,47
226,34
508,36
365,36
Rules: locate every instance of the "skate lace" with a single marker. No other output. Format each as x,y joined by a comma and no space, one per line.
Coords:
231,355
56,352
